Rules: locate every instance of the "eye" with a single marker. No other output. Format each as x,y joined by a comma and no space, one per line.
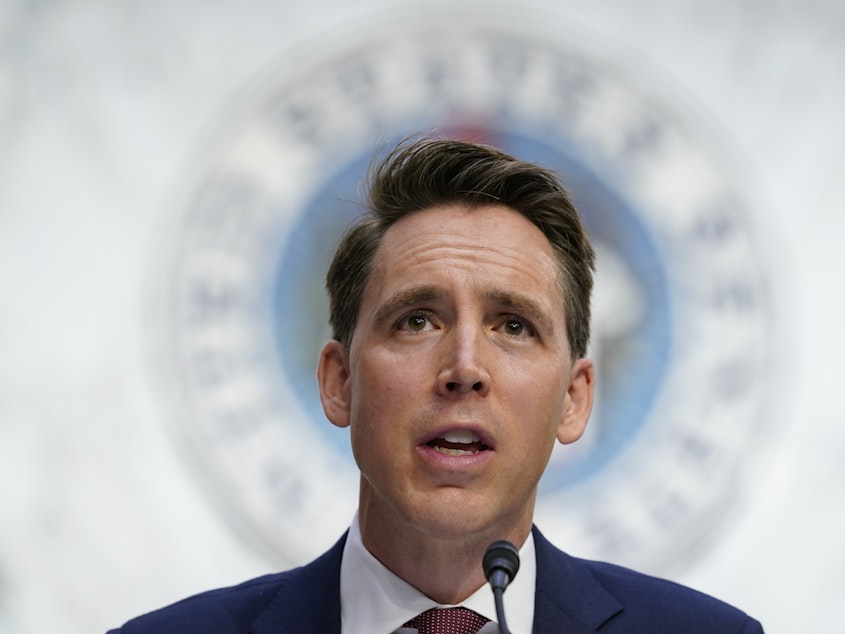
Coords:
415,322
517,327
514,327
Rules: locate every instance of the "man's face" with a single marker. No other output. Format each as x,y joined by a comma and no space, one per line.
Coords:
458,378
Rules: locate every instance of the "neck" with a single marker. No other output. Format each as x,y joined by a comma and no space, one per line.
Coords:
446,567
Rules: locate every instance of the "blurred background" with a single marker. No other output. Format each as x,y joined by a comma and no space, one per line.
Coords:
173,177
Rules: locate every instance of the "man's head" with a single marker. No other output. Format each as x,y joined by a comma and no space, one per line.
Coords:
453,365
429,173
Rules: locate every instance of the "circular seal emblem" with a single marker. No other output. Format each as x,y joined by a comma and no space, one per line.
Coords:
683,313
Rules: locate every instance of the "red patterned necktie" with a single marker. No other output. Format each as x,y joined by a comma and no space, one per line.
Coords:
447,621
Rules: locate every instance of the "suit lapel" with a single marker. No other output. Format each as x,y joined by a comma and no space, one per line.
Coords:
307,600
568,598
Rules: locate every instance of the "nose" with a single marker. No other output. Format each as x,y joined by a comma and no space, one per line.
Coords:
464,367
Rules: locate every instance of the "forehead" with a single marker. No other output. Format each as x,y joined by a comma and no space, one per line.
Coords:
485,245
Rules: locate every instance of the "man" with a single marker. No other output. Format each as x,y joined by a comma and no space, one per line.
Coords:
460,314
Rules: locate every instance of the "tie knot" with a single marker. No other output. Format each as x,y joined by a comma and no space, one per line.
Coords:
447,621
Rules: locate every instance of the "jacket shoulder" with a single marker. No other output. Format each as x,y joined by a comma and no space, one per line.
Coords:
221,610
602,597
666,606
280,602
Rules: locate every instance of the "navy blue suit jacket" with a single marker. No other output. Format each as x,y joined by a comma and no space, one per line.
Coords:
573,596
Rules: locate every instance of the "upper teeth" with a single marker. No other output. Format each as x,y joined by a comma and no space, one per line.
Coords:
463,436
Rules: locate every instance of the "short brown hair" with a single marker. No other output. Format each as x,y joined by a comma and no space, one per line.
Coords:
422,173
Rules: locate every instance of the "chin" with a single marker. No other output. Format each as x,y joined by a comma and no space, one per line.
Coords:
452,519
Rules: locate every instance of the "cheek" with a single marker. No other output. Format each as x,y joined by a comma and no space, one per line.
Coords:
386,378
535,386
378,430
538,407
381,391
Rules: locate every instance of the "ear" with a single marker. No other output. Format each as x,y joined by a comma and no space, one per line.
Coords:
579,401
333,378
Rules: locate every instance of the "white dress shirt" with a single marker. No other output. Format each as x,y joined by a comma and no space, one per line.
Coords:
373,600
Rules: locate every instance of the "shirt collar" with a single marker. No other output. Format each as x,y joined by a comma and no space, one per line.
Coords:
373,599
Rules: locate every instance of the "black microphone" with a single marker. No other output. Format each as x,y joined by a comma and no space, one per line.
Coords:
501,562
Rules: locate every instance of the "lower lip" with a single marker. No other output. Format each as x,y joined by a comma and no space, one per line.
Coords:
443,460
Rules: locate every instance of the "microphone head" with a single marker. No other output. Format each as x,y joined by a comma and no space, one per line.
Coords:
501,556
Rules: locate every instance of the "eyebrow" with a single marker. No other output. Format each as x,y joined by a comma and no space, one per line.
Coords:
404,300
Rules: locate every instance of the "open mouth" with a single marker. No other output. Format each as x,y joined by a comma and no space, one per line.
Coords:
458,442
